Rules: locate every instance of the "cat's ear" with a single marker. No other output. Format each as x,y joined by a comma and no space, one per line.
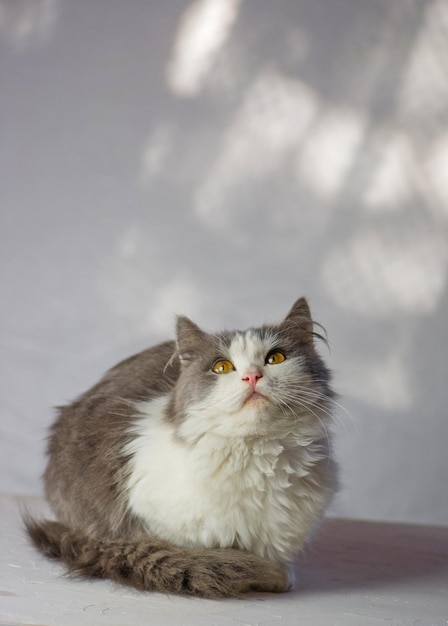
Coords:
189,338
299,318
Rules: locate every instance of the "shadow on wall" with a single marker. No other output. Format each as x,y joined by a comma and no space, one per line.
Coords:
27,22
341,140
301,147
349,153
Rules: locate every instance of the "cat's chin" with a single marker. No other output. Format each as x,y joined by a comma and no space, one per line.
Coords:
255,417
256,398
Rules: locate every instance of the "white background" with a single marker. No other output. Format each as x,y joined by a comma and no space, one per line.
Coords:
220,158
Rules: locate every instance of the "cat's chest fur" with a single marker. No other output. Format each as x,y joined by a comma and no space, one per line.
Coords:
253,493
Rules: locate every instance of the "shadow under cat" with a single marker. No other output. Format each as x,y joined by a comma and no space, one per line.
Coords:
350,554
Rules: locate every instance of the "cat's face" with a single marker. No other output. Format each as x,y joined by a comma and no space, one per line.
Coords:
258,382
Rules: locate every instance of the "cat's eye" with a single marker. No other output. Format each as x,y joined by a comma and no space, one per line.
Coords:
276,357
223,366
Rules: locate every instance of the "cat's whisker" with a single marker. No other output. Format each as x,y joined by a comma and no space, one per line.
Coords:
335,415
308,407
315,400
311,398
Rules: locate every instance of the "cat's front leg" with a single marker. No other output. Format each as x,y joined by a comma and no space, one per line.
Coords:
292,576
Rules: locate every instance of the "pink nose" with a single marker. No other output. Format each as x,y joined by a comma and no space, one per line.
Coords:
252,378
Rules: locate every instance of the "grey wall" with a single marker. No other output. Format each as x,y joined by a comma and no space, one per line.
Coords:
219,158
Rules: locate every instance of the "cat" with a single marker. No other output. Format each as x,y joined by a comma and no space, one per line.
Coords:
199,466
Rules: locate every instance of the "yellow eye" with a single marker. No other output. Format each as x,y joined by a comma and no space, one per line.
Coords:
223,367
275,357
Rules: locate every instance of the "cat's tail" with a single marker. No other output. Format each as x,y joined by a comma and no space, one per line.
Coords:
154,565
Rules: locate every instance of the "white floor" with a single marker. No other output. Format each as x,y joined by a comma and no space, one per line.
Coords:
362,573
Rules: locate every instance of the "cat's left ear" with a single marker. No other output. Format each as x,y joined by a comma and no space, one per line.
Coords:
189,338
299,318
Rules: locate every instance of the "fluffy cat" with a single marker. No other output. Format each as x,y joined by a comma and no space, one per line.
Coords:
199,466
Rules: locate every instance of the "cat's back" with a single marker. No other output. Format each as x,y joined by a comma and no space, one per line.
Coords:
87,439
140,377
146,374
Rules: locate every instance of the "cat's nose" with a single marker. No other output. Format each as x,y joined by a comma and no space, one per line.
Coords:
252,377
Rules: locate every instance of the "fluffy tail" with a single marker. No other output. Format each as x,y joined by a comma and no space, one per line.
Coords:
154,565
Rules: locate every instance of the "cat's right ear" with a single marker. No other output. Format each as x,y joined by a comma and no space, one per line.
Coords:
299,319
189,338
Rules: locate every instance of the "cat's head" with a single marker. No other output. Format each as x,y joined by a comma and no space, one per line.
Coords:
263,381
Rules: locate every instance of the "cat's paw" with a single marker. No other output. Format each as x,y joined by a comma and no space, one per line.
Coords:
233,573
274,579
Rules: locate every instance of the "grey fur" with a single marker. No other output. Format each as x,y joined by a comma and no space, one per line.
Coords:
86,473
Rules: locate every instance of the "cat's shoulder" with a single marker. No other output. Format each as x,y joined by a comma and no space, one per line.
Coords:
156,365
155,357
148,373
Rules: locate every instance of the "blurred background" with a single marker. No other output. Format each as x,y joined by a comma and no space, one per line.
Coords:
220,158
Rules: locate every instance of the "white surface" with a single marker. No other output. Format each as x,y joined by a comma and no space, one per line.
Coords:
220,163
356,573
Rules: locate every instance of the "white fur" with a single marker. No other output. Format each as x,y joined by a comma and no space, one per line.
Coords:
235,473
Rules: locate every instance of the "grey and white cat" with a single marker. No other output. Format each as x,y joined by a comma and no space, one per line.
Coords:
199,466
